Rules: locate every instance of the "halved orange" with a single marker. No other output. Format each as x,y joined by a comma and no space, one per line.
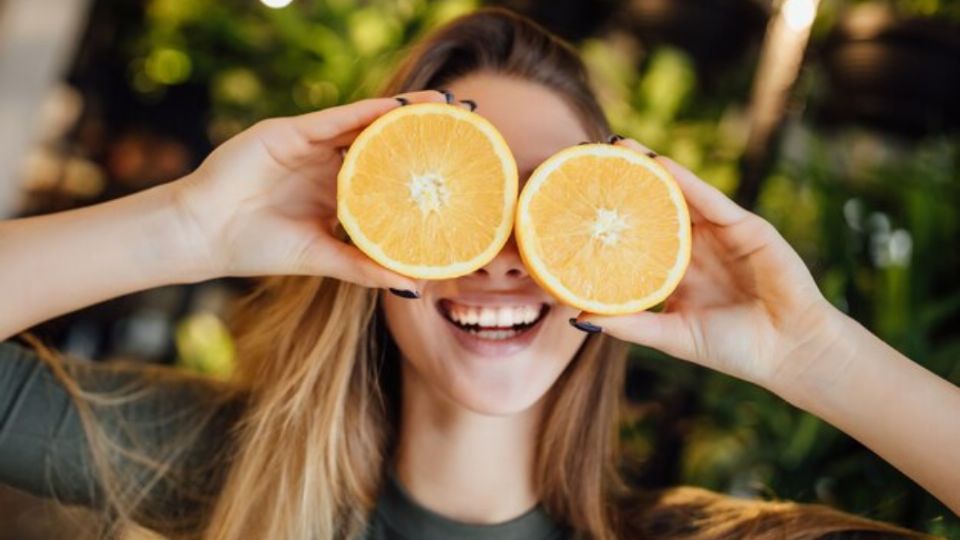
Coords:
429,191
604,228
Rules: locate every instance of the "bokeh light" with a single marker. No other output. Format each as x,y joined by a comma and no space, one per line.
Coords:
799,14
276,4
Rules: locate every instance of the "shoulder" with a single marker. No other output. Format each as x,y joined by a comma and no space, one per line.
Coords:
696,513
163,435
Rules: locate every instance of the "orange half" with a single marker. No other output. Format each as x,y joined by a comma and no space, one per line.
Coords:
604,228
429,191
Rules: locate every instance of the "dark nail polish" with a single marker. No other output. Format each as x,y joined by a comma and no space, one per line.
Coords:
447,95
471,103
405,293
583,143
585,326
651,154
402,100
614,139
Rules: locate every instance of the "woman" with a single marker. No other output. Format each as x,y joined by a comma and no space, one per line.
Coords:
354,411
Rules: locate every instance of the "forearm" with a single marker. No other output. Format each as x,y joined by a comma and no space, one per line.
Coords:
58,263
904,413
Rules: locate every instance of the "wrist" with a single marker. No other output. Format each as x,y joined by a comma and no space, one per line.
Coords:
182,248
816,364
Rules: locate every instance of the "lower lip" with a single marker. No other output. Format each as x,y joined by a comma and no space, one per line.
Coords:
498,348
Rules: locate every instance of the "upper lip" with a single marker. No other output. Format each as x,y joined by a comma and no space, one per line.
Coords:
491,300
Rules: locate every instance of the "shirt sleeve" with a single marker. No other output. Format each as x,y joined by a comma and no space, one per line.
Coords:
150,414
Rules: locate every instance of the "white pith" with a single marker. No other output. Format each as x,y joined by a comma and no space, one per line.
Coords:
608,226
429,191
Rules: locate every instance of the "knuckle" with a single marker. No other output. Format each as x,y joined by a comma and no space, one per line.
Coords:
265,125
764,228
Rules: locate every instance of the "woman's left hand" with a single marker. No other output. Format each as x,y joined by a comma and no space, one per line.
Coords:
747,304
749,307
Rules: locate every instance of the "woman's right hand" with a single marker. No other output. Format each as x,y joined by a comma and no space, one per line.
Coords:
265,201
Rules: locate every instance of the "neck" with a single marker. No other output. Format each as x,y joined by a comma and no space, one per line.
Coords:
464,465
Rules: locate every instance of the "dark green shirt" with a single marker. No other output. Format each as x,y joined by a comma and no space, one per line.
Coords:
43,448
399,516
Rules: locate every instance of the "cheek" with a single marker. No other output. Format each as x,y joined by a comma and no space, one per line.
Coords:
408,323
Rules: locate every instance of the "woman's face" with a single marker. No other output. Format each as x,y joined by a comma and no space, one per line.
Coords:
494,370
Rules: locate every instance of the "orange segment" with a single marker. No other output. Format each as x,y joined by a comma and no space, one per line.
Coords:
604,229
429,191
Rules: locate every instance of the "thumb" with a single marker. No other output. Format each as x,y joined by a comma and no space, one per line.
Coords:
347,263
666,332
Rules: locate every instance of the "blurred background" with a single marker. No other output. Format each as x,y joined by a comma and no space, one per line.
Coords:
837,121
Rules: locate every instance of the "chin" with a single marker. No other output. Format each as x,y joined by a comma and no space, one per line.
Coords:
494,354
501,396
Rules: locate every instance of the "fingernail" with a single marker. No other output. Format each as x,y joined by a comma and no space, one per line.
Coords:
585,326
405,293
447,95
583,143
402,100
651,154
471,103
614,139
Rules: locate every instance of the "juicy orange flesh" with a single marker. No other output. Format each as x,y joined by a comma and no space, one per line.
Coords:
565,211
451,152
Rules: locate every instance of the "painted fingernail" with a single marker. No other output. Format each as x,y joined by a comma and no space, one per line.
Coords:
614,139
405,293
651,154
471,103
447,95
585,326
583,143
402,100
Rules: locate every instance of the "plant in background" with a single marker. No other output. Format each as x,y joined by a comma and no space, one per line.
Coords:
259,62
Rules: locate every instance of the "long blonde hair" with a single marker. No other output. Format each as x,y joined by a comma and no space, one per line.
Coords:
319,381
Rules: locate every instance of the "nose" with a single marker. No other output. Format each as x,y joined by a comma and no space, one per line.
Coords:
506,265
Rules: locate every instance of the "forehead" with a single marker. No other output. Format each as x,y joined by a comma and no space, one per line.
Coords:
534,120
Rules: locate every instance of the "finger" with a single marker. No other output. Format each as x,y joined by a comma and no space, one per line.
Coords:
423,96
706,201
709,201
666,332
321,126
632,144
468,104
427,96
344,140
347,263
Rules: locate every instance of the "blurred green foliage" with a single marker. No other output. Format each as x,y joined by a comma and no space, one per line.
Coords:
876,218
204,345
948,10
259,62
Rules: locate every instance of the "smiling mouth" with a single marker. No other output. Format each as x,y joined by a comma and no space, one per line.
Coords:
495,323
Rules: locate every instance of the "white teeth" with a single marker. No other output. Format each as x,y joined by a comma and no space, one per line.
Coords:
494,334
500,316
488,317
